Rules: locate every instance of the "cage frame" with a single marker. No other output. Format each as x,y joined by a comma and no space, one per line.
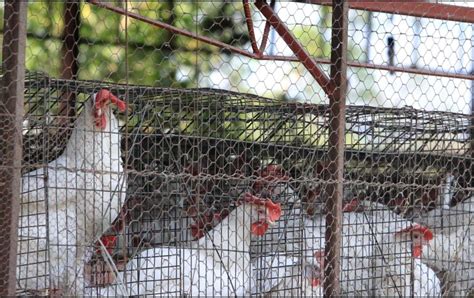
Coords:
15,46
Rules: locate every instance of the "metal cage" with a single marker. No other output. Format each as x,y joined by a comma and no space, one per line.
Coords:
306,148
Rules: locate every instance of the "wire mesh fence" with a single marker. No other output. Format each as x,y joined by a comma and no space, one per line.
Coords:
195,161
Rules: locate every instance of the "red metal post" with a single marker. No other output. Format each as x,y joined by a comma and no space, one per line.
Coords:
248,19
295,46
11,118
70,47
337,105
70,63
266,31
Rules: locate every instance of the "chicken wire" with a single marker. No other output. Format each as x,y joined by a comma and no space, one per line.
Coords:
176,153
152,201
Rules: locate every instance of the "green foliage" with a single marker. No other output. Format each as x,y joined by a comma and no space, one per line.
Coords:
313,41
119,49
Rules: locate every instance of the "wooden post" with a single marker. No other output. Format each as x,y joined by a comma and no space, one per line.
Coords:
11,117
337,103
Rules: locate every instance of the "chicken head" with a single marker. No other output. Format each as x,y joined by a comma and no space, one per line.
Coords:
266,213
101,100
420,235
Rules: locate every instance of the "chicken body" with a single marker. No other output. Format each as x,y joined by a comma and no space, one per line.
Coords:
377,251
217,264
69,203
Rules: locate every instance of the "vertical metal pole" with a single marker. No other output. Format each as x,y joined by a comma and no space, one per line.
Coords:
336,147
471,168
70,63
11,117
70,47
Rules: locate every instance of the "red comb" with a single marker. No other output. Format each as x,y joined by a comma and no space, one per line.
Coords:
427,233
196,231
104,96
273,208
315,282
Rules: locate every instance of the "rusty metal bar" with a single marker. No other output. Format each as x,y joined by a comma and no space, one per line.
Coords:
248,19
11,117
470,173
70,47
300,52
468,76
70,51
418,8
266,31
337,105
272,18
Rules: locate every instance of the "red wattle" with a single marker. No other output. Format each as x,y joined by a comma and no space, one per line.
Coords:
259,228
417,251
100,121
315,282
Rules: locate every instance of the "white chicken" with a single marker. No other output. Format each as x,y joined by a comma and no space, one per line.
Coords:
287,234
308,284
367,233
377,249
217,264
391,275
71,201
407,277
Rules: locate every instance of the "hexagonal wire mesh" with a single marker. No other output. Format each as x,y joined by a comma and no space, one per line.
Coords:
174,195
